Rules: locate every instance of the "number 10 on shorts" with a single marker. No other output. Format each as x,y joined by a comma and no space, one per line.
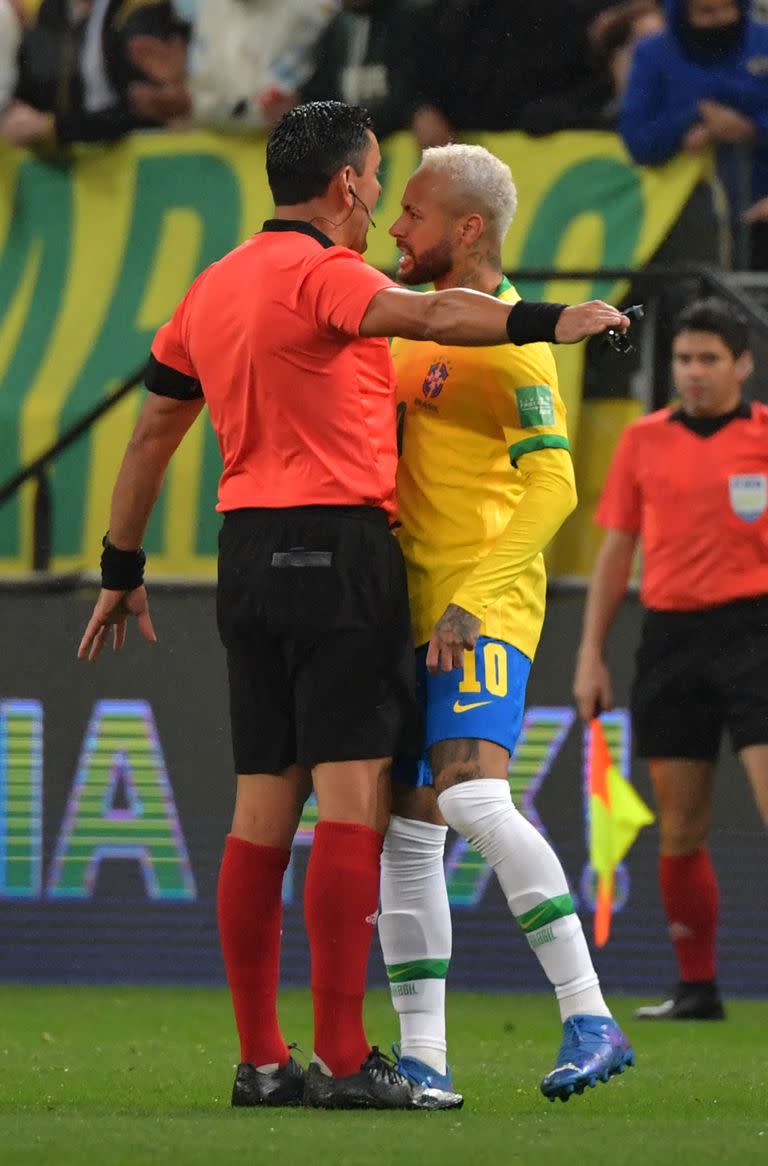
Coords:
494,666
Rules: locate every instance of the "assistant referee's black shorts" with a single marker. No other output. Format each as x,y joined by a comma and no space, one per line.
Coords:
312,608
699,672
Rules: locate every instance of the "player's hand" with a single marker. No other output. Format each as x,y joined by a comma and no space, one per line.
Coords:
582,320
111,611
592,687
456,630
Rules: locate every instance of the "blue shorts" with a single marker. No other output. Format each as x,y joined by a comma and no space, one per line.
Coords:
485,700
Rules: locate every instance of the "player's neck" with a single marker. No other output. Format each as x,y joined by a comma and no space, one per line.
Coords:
476,277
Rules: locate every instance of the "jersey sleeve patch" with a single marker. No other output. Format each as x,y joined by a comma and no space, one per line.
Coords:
541,441
536,406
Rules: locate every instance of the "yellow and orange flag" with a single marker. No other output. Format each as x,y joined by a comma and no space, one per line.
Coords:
617,814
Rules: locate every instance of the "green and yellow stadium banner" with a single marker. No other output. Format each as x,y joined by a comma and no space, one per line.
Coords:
96,252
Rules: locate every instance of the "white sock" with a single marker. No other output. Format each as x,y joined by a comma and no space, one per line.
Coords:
534,885
415,934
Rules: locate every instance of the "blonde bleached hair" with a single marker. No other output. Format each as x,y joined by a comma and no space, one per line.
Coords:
479,181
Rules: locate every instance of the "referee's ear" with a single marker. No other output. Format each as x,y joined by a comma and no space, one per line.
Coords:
345,179
745,365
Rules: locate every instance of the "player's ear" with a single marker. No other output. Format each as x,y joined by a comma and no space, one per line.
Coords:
471,228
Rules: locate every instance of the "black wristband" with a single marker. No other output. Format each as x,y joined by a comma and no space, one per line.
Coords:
529,323
121,570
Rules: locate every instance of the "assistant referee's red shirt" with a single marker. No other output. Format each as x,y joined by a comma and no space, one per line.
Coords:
700,505
303,407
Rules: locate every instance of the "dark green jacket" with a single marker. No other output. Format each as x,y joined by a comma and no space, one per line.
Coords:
372,58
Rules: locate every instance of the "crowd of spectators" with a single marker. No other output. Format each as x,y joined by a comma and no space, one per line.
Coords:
679,75
93,70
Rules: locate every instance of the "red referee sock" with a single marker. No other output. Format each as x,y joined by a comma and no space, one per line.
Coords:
341,899
250,910
691,899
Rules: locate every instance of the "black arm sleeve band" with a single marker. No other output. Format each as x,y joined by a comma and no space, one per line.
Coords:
121,570
528,323
169,382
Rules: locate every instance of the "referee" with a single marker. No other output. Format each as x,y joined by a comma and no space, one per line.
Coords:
691,482
284,339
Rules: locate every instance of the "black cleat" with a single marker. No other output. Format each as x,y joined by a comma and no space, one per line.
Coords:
283,1086
690,1002
376,1085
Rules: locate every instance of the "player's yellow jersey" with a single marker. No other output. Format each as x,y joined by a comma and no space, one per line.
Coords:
466,415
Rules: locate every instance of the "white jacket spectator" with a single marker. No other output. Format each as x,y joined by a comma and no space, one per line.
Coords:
245,64
245,55
10,38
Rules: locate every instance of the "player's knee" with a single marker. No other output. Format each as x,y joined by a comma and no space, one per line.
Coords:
418,804
456,773
475,813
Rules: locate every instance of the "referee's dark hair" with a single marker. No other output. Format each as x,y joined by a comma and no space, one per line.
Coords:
715,315
310,144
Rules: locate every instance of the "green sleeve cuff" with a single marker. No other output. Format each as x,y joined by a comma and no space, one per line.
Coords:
542,441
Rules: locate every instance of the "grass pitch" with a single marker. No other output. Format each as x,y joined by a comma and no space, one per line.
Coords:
128,1076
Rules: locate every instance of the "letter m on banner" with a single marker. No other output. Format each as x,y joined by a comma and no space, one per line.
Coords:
121,806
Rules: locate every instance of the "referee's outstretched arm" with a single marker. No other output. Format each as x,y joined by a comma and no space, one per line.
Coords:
461,316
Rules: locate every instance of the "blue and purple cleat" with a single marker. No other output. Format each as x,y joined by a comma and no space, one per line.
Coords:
423,1074
594,1049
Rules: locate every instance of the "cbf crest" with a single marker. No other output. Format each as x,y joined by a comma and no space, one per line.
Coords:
749,495
435,379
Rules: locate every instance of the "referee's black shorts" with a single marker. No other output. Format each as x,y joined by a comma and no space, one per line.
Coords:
699,672
312,608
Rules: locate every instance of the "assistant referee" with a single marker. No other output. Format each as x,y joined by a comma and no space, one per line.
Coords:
691,482
285,341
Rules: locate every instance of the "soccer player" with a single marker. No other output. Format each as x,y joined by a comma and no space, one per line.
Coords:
284,339
691,482
485,480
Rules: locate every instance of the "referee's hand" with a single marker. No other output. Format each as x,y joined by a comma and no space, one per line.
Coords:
592,688
456,630
111,611
583,320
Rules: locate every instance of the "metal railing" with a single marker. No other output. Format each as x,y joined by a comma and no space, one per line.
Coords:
650,280
36,470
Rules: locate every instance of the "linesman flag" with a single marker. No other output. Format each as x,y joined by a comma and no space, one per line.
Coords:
617,814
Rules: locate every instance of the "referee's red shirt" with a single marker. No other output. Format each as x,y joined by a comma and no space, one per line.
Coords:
303,408
700,505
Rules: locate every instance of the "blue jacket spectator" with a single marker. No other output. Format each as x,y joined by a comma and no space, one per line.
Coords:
703,81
